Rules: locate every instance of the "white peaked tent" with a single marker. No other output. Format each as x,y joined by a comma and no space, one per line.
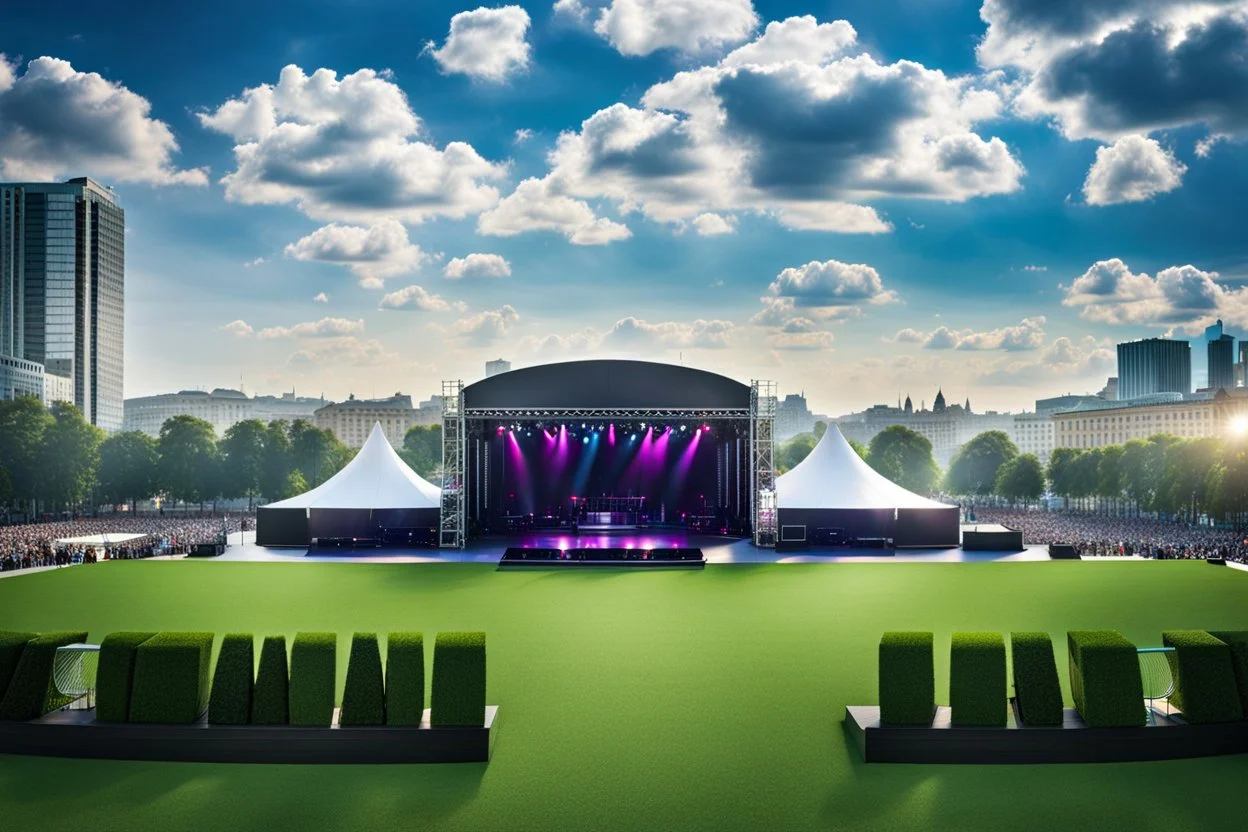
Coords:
834,496
375,496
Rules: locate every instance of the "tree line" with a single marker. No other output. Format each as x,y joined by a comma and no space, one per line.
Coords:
52,460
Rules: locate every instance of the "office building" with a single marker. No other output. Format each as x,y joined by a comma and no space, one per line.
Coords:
221,408
62,292
793,417
498,365
1221,355
1033,434
1056,403
1154,365
353,420
1114,423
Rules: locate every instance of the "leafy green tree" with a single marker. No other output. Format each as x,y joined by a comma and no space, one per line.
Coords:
790,454
23,421
1086,473
277,465
975,465
189,466
422,449
1186,476
858,447
905,457
1233,484
1062,473
821,428
242,459
1021,478
295,484
127,468
316,452
1109,473
69,454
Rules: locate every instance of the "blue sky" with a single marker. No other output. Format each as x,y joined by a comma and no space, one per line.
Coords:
855,199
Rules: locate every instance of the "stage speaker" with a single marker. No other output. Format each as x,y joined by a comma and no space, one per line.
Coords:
1063,551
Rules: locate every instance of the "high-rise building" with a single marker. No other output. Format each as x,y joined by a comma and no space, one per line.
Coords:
62,290
498,365
1154,365
793,417
1221,352
1200,355
1241,367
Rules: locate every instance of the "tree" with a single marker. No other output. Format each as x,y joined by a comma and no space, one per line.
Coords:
975,465
790,454
188,469
905,457
1109,473
1086,473
277,466
1021,478
242,459
316,452
68,457
858,447
1061,473
1188,467
23,421
127,468
422,449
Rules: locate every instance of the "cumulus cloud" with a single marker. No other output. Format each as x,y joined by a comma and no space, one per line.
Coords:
1063,359
1028,335
348,351
56,121
320,297
374,253
536,205
1132,169
487,44
800,341
1206,145
828,289
1035,268
477,265
700,334
324,328
522,135
488,326
1109,292
347,149
239,329
414,297
713,225
640,27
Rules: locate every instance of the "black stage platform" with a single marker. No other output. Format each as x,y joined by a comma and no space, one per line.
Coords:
1169,739
75,733
991,537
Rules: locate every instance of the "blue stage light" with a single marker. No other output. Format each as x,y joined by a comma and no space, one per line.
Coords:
585,441
632,438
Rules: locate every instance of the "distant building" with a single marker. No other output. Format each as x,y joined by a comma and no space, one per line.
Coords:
793,417
1066,402
351,421
1221,354
1033,434
948,427
19,377
1154,365
1241,367
1113,423
1110,391
498,365
222,408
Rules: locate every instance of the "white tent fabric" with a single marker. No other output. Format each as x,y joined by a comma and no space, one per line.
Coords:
376,478
99,539
834,476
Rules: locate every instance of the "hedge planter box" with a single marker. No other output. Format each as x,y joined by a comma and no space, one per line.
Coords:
1105,679
78,734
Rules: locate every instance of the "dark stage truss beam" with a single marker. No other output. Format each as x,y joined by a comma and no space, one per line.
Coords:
599,414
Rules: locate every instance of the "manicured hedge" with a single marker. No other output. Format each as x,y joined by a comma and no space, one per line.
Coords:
30,694
313,663
405,678
269,703
458,695
1036,686
1105,678
977,679
1237,640
114,677
1204,680
171,678
364,696
907,679
12,644
232,684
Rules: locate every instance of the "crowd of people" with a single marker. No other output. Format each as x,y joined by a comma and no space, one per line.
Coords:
35,544
1095,535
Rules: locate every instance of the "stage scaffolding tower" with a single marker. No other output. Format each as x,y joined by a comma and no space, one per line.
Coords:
763,459
452,526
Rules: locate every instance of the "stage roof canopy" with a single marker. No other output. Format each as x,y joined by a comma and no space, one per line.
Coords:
607,384
834,476
376,478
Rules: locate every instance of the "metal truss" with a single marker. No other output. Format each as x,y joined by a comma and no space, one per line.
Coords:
571,414
452,526
763,461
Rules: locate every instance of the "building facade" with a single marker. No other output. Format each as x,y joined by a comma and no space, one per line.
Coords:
1154,365
1113,423
498,365
19,377
1033,434
62,289
351,421
948,427
221,408
793,417
1221,353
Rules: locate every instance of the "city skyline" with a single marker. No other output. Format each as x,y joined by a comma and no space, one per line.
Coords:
835,202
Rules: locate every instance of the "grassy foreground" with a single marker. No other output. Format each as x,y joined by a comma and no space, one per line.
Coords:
659,700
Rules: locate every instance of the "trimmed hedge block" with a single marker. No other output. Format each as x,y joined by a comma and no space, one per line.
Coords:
1204,679
12,644
30,694
977,679
171,678
1036,686
313,665
232,683
270,698
907,679
1237,641
405,678
1105,679
364,696
114,678
458,696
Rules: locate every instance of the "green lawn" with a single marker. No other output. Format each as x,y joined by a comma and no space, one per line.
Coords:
657,700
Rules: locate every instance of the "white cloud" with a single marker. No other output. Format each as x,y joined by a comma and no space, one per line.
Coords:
348,351
320,297
828,289
259,261
477,265
522,135
1035,268
346,149
56,121
640,27
1206,145
1063,359
797,38
487,44
1132,169
487,327
374,253
1028,335
239,329
713,225
324,328
414,297
536,206
801,341
699,334
1109,292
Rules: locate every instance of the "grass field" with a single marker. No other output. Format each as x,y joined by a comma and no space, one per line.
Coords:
661,700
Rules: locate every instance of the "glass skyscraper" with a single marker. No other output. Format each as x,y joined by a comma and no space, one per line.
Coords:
1154,365
62,292
1221,352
